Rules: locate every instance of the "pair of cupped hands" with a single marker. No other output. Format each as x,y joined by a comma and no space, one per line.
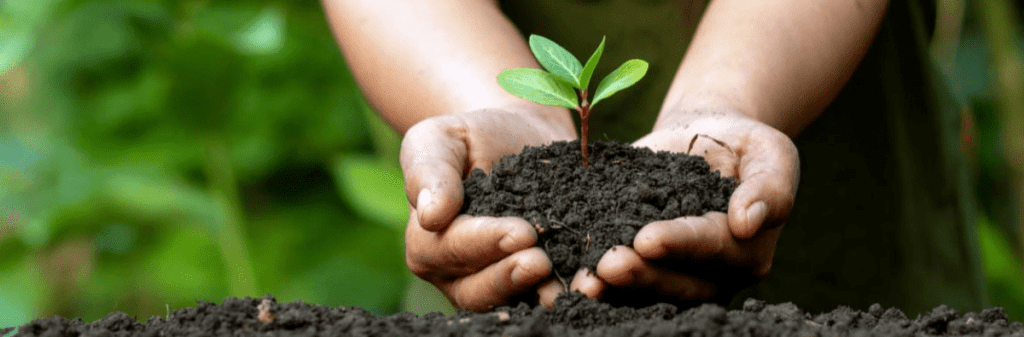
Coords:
483,262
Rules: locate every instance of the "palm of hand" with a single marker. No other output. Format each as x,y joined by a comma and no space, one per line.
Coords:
478,262
709,257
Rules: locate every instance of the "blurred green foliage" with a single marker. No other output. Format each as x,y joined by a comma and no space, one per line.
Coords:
987,71
158,152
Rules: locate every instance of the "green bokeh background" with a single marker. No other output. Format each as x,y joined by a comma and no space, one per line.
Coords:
155,153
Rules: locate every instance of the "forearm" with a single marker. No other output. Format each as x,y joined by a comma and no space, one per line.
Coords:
780,62
423,58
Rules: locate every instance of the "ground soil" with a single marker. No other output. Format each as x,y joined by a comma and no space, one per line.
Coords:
580,213
623,189
573,315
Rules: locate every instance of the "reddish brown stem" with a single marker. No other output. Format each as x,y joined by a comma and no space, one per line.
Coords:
584,110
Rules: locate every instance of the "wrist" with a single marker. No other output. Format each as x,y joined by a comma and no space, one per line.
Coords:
682,113
683,105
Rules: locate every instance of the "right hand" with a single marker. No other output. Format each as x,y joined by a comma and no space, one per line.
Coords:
477,262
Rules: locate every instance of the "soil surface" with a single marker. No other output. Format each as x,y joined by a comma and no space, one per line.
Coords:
573,315
580,213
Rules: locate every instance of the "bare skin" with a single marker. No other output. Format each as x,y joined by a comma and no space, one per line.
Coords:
755,75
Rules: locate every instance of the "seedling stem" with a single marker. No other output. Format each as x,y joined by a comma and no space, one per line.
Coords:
584,110
566,81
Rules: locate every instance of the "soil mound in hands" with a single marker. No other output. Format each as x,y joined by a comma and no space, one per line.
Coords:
573,315
580,213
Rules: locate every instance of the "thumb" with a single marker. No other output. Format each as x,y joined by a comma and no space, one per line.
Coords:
433,158
767,190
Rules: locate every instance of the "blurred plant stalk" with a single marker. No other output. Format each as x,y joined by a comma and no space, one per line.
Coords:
230,234
946,38
999,23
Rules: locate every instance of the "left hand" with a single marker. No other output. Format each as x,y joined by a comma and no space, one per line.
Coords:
713,256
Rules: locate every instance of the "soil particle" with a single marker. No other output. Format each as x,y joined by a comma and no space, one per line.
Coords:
265,315
572,315
580,213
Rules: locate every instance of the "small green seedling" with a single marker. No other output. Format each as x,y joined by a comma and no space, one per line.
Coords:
566,81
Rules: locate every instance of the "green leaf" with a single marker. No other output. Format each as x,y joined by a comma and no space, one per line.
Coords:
13,50
556,59
588,70
627,74
538,86
264,35
373,188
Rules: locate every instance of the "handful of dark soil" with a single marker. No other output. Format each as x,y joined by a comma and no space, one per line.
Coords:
580,213
572,315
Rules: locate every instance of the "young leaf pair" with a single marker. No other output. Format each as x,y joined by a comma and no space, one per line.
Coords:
566,81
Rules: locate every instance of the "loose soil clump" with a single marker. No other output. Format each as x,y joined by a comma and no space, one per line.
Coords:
572,315
580,213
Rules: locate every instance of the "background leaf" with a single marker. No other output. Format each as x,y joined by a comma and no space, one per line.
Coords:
538,86
626,75
588,70
557,60
104,163
375,188
264,35
1002,272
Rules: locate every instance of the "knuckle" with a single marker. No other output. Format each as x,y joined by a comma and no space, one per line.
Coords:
418,260
459,261
454,253
416,245
425,126
417,267
466,298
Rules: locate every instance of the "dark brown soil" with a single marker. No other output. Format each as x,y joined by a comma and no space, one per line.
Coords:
582,212
573,315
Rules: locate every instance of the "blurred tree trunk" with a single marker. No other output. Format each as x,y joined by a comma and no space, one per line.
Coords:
999,22
946,39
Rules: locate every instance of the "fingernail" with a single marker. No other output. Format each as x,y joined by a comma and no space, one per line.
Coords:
756,213
423,200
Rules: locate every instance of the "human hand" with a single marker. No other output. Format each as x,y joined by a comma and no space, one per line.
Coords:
477,262
709,257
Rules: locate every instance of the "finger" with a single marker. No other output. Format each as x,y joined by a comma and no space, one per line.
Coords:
705,242
689,238
466,246
548,291
769,174
587,283
433,159
494,285
624,268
